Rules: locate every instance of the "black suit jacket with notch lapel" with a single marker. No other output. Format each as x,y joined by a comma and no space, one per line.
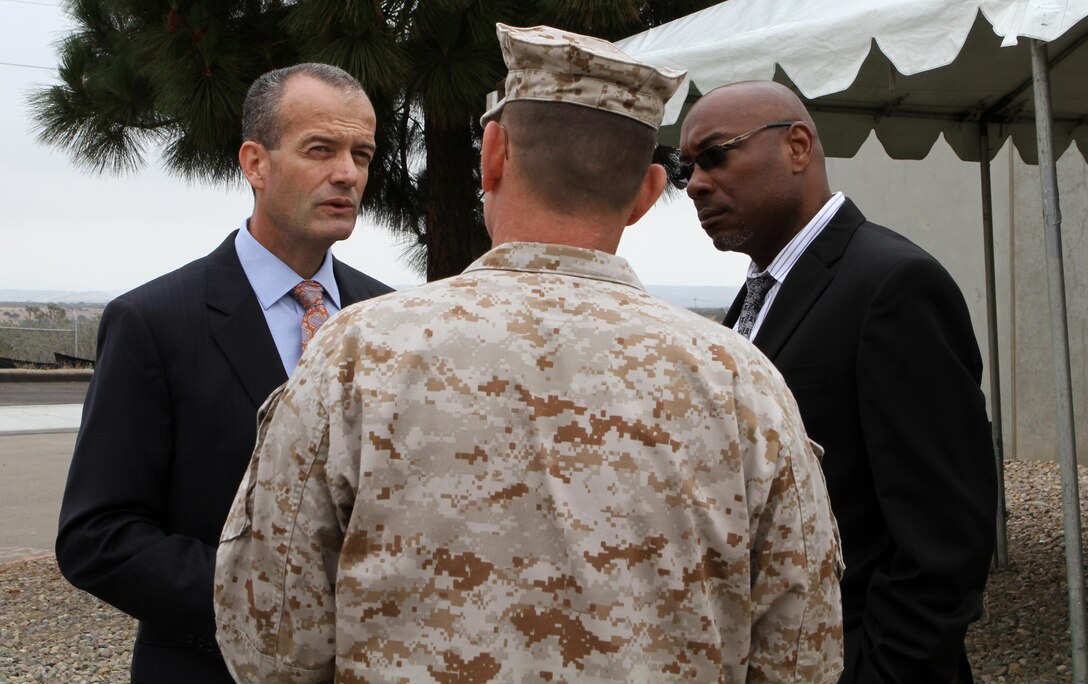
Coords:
169,424
874,339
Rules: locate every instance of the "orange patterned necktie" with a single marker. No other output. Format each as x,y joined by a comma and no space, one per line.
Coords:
309,295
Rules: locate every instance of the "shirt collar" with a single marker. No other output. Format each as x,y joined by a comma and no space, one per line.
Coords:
780,266
270,278
539,257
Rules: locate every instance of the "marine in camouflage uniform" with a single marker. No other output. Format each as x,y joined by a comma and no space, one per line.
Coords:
536,472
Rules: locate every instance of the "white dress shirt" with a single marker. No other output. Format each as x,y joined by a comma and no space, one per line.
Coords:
780,266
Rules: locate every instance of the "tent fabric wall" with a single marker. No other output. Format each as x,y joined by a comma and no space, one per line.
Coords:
938,207
1034,433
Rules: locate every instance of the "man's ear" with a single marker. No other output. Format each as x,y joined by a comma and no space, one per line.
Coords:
653,184
493,155
800,140
253,158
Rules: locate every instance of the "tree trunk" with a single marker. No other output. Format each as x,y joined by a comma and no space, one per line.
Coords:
455,234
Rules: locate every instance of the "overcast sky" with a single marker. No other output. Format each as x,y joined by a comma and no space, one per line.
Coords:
62,228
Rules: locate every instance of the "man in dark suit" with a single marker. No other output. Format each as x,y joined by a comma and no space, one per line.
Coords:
874,339
184,362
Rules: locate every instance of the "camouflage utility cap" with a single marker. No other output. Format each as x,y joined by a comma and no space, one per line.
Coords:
550,65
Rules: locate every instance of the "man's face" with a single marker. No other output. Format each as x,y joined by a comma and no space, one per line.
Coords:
313,182
746,201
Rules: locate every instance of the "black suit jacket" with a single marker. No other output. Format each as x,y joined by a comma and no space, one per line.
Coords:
168,428
875,341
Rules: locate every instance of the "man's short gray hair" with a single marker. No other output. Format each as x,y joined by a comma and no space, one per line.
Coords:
260,113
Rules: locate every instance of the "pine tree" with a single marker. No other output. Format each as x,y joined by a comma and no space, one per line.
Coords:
167,78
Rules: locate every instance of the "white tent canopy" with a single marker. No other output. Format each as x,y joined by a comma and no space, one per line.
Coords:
938,66
911,70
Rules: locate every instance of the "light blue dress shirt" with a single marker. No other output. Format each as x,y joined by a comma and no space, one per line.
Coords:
272,281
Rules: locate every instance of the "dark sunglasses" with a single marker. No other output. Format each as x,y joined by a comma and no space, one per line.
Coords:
713,156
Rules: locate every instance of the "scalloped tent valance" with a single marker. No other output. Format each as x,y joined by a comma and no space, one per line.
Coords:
908,69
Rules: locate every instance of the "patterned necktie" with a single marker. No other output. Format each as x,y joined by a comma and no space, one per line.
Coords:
309,295
758,286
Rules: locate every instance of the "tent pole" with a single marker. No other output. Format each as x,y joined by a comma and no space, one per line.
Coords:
1001,542
1059,339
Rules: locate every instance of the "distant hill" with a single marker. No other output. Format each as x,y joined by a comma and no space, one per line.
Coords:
687,296
55,297
696,296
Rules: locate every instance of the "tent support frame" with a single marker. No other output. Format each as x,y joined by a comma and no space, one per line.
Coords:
1001,541
1059,340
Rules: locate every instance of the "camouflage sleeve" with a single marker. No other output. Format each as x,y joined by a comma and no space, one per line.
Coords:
276,563
796,567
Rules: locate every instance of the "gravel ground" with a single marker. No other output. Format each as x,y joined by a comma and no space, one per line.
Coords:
50,632
1024,635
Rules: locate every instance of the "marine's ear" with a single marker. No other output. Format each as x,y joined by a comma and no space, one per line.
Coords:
653,184
493,155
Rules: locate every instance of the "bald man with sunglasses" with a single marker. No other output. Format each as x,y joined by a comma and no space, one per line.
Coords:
874,339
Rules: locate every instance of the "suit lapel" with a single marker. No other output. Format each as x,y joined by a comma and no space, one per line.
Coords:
241,331
805,283
807,280
351,290
733,314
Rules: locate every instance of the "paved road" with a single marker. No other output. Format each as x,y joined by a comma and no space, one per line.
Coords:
41,393
33,467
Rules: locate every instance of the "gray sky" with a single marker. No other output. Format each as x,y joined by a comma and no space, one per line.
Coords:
62,228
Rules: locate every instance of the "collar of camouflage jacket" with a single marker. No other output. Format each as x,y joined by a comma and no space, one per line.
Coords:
538,257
